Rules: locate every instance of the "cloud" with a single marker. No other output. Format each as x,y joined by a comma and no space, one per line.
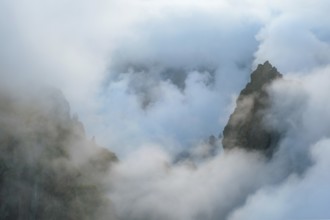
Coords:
182,69
88,49
298,197
237,184
149,187
297,38
152,78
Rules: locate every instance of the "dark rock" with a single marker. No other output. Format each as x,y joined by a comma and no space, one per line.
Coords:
246,128
49,169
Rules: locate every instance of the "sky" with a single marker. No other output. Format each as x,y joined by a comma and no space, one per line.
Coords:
152,78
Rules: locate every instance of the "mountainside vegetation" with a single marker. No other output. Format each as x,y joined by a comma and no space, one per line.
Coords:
41,176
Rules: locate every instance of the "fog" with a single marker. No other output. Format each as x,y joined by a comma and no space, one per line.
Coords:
153,80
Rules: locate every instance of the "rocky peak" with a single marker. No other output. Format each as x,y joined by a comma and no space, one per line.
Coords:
261,77
246,128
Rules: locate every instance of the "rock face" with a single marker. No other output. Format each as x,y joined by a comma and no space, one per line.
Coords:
48,168
246,128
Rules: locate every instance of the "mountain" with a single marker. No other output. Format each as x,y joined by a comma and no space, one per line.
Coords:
49,169
246,127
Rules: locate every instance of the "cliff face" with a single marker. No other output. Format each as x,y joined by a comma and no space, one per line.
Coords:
246,128
48,168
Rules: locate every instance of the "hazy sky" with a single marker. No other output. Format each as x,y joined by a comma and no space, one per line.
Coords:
153,77
137,71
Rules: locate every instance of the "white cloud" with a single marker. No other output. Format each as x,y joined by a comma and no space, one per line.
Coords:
163,73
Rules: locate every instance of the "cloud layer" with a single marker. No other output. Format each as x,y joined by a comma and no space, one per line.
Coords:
150,79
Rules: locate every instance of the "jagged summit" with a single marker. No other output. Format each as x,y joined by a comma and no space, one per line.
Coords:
246,128
262,76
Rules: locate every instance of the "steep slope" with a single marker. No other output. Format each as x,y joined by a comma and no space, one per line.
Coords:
246,128
48,168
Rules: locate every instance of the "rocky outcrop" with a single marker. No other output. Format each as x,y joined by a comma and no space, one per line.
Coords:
246,127
48,168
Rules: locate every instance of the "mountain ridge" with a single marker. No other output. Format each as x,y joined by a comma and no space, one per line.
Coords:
246,128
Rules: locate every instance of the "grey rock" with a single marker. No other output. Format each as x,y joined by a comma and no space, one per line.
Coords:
246,127
49,169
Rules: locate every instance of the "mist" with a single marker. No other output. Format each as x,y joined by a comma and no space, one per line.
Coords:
155,82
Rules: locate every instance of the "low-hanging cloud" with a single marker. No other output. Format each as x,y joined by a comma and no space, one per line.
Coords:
238,184
152,79
306,148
